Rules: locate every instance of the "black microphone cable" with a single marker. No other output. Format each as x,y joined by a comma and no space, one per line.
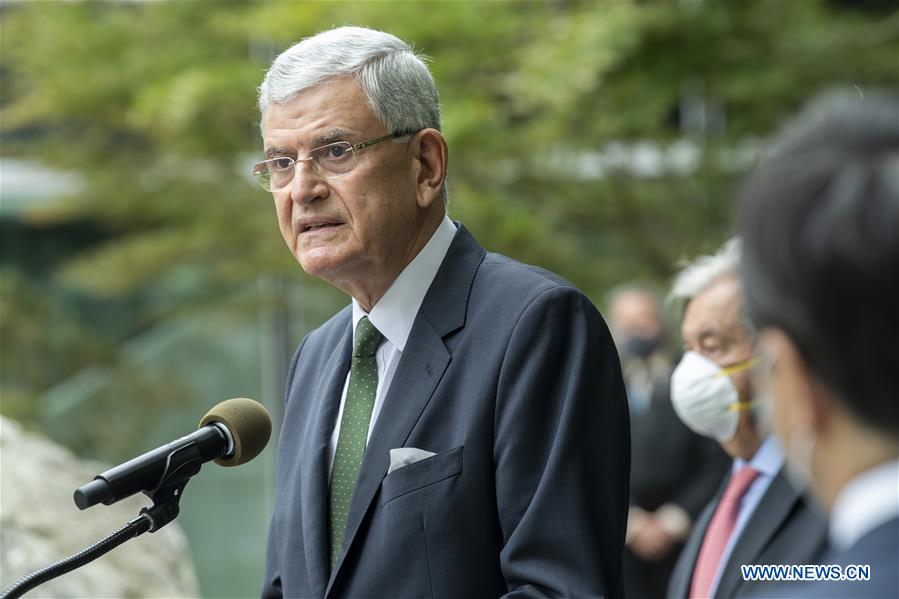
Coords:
243,424
134,528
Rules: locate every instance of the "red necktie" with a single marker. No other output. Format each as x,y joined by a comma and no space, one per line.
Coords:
719,532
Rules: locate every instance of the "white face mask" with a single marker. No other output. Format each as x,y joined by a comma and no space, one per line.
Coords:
705,398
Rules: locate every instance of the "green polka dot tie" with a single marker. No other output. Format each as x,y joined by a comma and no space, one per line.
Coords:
360,399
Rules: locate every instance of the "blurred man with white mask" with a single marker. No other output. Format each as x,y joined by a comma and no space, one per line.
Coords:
674,471
757,517
820,217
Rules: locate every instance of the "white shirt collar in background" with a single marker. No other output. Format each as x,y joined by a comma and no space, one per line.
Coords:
869,500
768,458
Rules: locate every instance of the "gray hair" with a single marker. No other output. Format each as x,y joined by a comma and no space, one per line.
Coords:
395,80
698,274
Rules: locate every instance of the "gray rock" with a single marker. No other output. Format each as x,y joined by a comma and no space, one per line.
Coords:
39,524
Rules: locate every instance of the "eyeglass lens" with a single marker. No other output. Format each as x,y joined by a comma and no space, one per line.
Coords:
331,160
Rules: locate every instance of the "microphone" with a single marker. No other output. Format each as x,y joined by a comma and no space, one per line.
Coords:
232,433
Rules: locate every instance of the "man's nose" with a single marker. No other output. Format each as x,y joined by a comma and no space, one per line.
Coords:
307,184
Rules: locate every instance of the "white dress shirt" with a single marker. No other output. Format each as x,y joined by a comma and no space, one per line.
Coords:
768,460
869,500
394,315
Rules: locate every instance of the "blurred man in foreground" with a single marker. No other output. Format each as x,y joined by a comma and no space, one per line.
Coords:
674,471
820,219
460,429
757,517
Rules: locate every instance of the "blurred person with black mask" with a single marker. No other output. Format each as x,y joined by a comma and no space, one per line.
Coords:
674,472
756,517
820,219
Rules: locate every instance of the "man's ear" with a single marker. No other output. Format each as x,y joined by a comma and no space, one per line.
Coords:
800,397
430,153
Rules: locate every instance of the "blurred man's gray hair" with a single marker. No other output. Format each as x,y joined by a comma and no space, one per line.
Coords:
697,274
396,80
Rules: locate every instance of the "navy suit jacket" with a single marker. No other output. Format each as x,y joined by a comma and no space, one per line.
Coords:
783,529
510,376
878,549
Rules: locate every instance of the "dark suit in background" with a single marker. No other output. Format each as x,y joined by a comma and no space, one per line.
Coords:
878,549
820,221
783,529
670,464
510,376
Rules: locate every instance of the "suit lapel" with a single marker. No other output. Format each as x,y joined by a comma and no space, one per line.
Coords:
315,463
765,521
424,360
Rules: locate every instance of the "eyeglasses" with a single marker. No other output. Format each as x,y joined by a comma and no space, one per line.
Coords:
328,161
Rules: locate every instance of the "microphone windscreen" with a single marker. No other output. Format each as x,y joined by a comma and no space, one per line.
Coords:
250,427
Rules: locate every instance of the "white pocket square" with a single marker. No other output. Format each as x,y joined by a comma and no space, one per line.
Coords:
403,456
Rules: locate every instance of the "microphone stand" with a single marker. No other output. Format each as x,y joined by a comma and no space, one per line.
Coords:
165,508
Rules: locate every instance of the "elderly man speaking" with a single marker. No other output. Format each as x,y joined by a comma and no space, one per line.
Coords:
460,429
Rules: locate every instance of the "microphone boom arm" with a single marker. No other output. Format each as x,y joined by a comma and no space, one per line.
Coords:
233,432
133,529
182,464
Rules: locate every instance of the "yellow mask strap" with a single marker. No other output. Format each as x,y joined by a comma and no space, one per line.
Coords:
739,367
740,406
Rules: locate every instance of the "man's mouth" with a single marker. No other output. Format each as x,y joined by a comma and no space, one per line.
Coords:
317,225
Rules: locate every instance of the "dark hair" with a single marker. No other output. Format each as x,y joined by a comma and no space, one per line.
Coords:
820,225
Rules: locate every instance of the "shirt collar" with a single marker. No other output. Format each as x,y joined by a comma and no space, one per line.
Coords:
869,500
395,312
768,458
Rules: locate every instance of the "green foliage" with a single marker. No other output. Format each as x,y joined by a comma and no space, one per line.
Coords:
28,312
154,105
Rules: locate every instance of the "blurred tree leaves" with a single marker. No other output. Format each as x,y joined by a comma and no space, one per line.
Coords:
548,108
